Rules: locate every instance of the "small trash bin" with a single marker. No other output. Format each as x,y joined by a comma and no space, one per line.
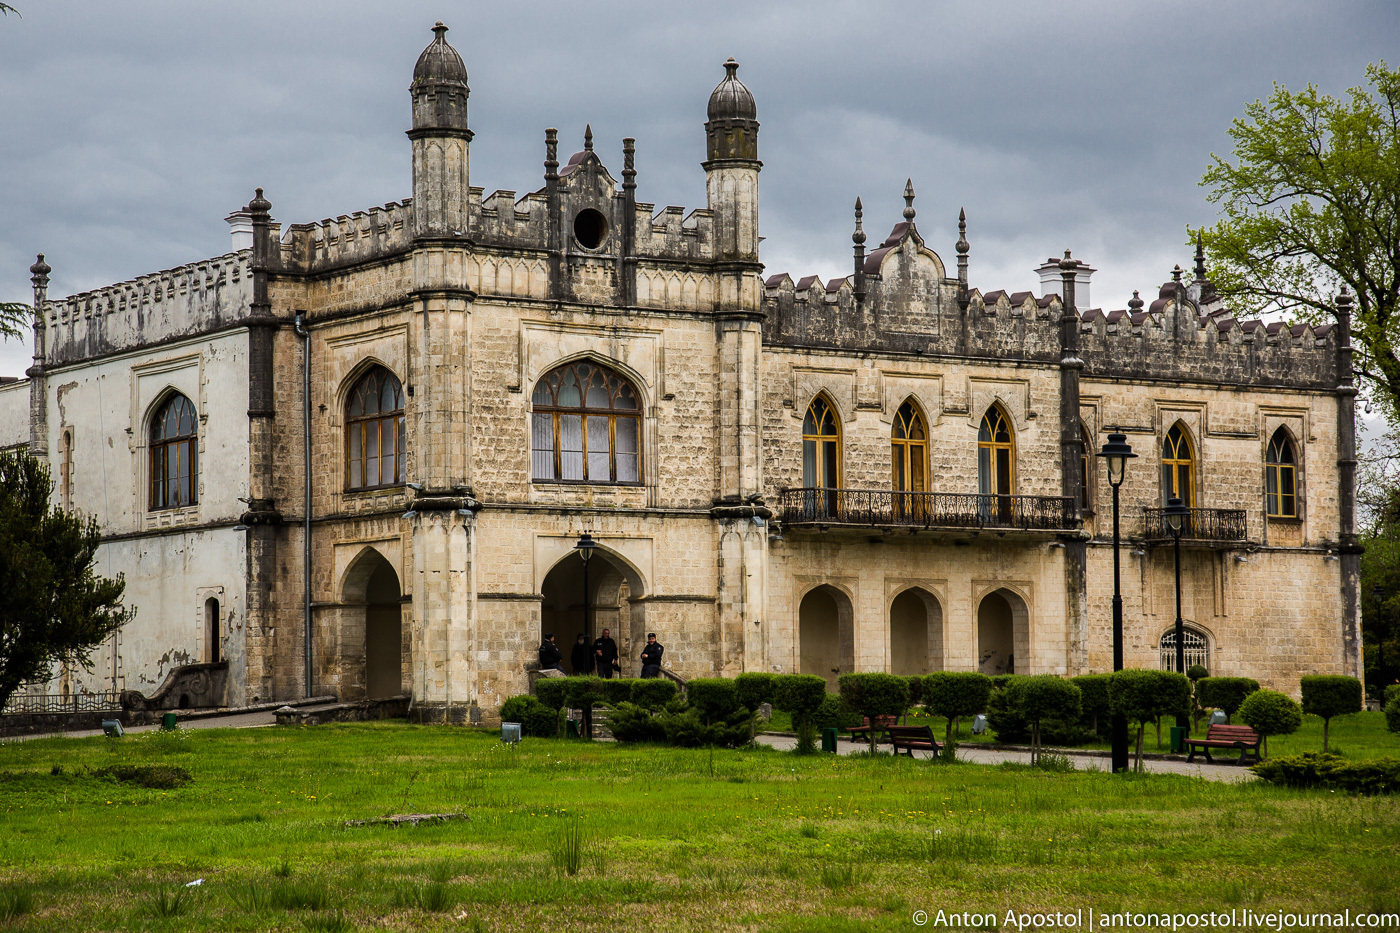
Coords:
1179,736
571,729
829,740
510,732
169,723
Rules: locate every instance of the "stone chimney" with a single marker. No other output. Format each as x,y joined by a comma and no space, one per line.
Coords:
240,225
1049,272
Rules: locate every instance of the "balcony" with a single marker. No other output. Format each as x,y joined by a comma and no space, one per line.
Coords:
930,510
1198,526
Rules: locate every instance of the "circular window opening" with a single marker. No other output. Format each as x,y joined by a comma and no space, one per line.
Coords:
590,228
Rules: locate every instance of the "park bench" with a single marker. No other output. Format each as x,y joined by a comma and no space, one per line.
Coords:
1222,736
880,724
909,738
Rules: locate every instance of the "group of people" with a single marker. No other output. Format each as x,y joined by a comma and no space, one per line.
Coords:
600,657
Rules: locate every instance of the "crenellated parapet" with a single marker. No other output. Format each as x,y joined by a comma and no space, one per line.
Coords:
180,302
350,239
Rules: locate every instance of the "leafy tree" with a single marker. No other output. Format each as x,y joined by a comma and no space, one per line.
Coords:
1378,498
875,694
1268,713
1094,699
1041,697
1392,715
1311,203
715,698
1144,696
755,688
956,693
53,607
15,318
1329,695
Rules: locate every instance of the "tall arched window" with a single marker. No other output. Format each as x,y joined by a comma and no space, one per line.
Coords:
374,431
821,446
1086,492
996,454
1280,478
909,456
1178,466
586,427
174,454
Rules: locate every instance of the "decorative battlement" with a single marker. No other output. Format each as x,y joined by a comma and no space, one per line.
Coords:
175,302
350,238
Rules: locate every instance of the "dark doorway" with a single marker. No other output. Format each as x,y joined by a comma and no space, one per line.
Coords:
383,633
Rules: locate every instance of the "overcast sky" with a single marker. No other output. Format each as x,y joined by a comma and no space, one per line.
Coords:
130,129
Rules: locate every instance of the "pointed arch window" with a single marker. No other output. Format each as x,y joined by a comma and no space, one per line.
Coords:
586,426
821,446
909,456
996,454
1281,477
1086,492
1195,649
374,432
1178,466
174,455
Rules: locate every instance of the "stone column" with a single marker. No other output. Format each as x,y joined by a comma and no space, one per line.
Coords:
443,637
1348,546
38,384
1072,473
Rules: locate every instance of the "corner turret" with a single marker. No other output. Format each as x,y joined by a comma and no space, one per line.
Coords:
732,167
441,140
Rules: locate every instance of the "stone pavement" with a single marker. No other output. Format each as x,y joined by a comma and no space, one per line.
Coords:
233,719
1233,774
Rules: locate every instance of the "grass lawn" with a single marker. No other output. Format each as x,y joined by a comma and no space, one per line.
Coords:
1358,736
569,835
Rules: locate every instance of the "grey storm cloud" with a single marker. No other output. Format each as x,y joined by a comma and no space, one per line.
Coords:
131,129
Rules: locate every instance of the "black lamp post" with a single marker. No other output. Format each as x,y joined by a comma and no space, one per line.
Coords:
1176,514
1116,454
585,547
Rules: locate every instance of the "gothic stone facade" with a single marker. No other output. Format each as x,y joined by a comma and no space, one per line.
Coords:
342,457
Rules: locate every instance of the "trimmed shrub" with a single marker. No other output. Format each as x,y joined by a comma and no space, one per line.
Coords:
1042,697
1268,713
834,713
1328,695
615,690
801,695
632,723
1096,707
1011,726
916,689
1391,693
1392,714
1196,672
689,730
550,691
1145,696
1311,769
1226,693
954,694
1000,681
756,688
875,694
653,692
714,697
534,717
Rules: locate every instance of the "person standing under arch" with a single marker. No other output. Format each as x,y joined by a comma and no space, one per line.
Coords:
581,657
651,657
605,654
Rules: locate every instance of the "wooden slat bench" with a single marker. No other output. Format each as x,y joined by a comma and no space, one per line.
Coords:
1222,736
909,738
880,724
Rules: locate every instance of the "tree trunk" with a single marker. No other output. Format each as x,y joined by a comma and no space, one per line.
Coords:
1159,733
1142,728
1325,723
949,736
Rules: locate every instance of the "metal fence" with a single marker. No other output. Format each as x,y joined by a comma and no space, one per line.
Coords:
109,701
1197,524
926,509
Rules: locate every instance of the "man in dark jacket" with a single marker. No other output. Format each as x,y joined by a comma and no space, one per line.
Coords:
651,656
550,655
581,658
605,654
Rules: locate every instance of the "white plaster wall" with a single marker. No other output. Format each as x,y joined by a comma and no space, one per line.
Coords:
14,414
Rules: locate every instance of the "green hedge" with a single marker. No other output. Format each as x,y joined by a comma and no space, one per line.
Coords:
954,694
756,688
799,694
834,713
1097,706
1313,769
1392,714
630,722
1392,693
653,692
534,717
714,697
1227,693
550,691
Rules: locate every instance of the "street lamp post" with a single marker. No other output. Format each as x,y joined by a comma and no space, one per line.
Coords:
1176,513
585,547
1116,454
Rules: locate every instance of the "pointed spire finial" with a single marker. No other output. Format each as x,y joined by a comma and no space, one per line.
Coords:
859,236
588,137
1200,259
1135,303
962,244
909,200
629,163
1176,273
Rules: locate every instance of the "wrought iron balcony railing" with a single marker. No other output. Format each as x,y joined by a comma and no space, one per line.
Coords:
1197,525
926,509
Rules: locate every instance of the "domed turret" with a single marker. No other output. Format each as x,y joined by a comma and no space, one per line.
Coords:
731,100
732,129
439,86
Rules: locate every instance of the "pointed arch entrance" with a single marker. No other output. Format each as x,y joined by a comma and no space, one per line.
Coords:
1003,634
613,585
826,634
916,633
373,600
